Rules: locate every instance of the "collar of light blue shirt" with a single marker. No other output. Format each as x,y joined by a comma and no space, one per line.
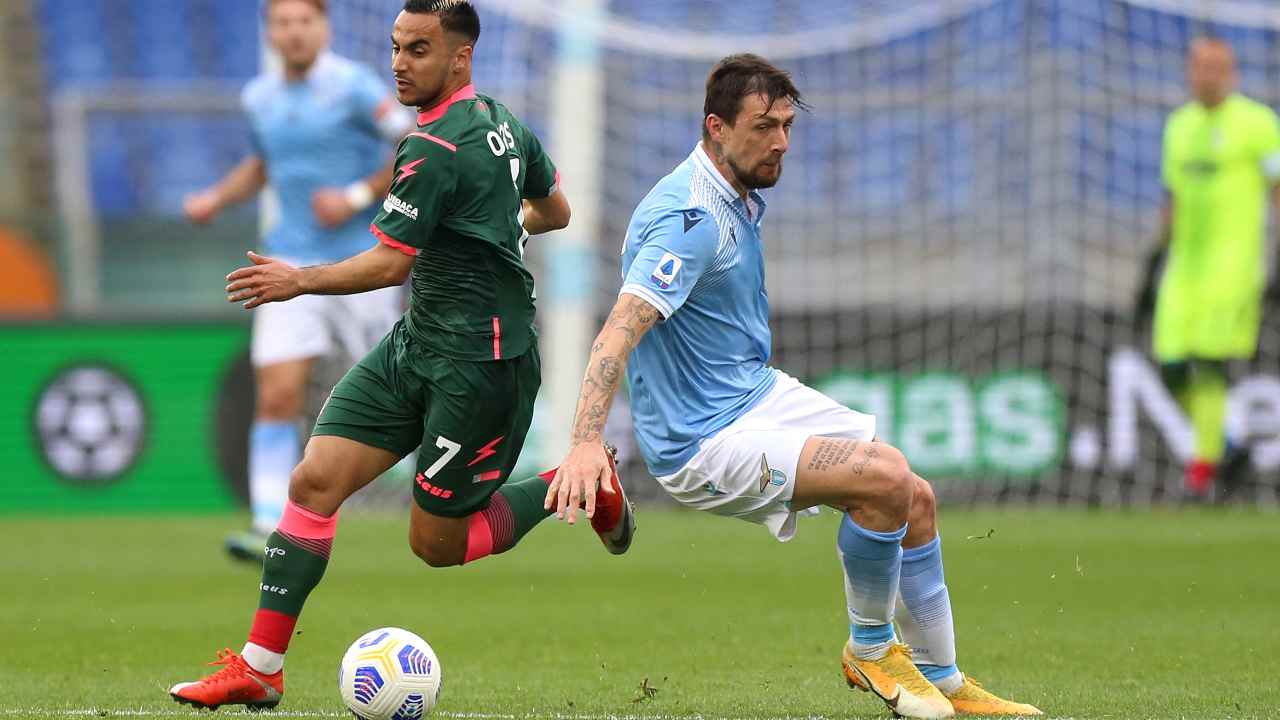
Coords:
754,204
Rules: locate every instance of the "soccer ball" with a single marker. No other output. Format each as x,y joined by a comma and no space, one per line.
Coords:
389,674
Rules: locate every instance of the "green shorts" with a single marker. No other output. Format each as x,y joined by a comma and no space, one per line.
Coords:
470,418
1204,325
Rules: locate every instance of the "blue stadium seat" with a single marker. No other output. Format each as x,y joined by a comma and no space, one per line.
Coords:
73,44
113,185
162,40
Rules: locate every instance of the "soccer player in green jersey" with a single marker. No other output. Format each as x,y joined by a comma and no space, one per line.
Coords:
1221,161
457,375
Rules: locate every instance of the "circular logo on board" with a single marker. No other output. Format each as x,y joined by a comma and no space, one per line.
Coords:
91,424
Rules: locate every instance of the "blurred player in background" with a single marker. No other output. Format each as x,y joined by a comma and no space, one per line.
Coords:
323,130
458,375
1221,162
724,432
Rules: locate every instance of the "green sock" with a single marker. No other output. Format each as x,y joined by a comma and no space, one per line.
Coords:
513,511
296,556
1207,406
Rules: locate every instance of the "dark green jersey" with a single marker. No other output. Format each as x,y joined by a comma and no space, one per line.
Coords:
455,204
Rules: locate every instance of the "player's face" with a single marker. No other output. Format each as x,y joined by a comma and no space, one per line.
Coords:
424,57
754,145
1211,72
298,31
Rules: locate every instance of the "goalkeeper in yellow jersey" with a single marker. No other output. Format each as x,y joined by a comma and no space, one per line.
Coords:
1221,162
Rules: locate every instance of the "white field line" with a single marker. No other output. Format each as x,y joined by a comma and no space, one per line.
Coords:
269,714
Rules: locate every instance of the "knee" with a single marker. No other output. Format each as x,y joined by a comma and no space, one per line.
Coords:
279,401
893,483
311,489
924,505
922,523
1213,369
435,554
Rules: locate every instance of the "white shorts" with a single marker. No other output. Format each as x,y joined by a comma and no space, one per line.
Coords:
315,325
748,469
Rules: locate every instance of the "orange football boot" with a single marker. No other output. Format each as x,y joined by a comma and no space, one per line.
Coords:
235,684
616,525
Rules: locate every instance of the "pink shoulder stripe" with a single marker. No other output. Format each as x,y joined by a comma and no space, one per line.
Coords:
386,239
442,143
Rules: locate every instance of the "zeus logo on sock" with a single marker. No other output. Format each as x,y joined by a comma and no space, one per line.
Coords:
275,589
273,552
667,269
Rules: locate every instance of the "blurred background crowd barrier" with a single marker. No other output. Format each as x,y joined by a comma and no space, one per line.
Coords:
956,244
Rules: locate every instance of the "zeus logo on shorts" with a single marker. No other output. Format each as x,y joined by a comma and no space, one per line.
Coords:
667,269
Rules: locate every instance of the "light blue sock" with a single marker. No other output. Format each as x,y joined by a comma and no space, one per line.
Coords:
274,449
872,562
926,622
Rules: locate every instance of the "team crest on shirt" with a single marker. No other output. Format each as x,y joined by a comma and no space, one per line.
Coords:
665,272
769,476
395,204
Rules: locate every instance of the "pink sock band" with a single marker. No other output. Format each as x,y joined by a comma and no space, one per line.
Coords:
301,522
479,538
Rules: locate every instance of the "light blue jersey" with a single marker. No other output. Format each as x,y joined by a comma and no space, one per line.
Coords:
693,251
334,127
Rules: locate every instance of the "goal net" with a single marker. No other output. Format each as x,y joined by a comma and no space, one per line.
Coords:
959,236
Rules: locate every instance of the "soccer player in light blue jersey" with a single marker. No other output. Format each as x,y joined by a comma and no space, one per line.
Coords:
324,129
724,432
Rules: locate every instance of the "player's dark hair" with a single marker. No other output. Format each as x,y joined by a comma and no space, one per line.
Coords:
739,76
456,16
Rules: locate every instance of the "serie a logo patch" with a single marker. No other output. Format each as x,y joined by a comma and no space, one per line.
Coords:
664,273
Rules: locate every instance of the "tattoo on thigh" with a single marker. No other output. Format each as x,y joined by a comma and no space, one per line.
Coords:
833,451
862,464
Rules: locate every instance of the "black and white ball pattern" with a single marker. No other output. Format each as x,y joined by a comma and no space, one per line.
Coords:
91,423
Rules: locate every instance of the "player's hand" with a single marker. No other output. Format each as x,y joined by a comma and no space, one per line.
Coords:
266,280
202,207
585,470
331,207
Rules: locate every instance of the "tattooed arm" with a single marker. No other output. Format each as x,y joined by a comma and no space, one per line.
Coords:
586,467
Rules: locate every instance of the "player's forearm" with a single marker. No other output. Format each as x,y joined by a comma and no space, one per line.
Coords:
372,269
534,223
630,320
380,182
244,181
546,214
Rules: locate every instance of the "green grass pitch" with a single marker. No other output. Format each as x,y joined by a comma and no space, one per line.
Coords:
1086,614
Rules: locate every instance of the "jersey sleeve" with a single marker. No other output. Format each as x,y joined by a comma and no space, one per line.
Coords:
376,109
420,194
541,179
1268,139
673,252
